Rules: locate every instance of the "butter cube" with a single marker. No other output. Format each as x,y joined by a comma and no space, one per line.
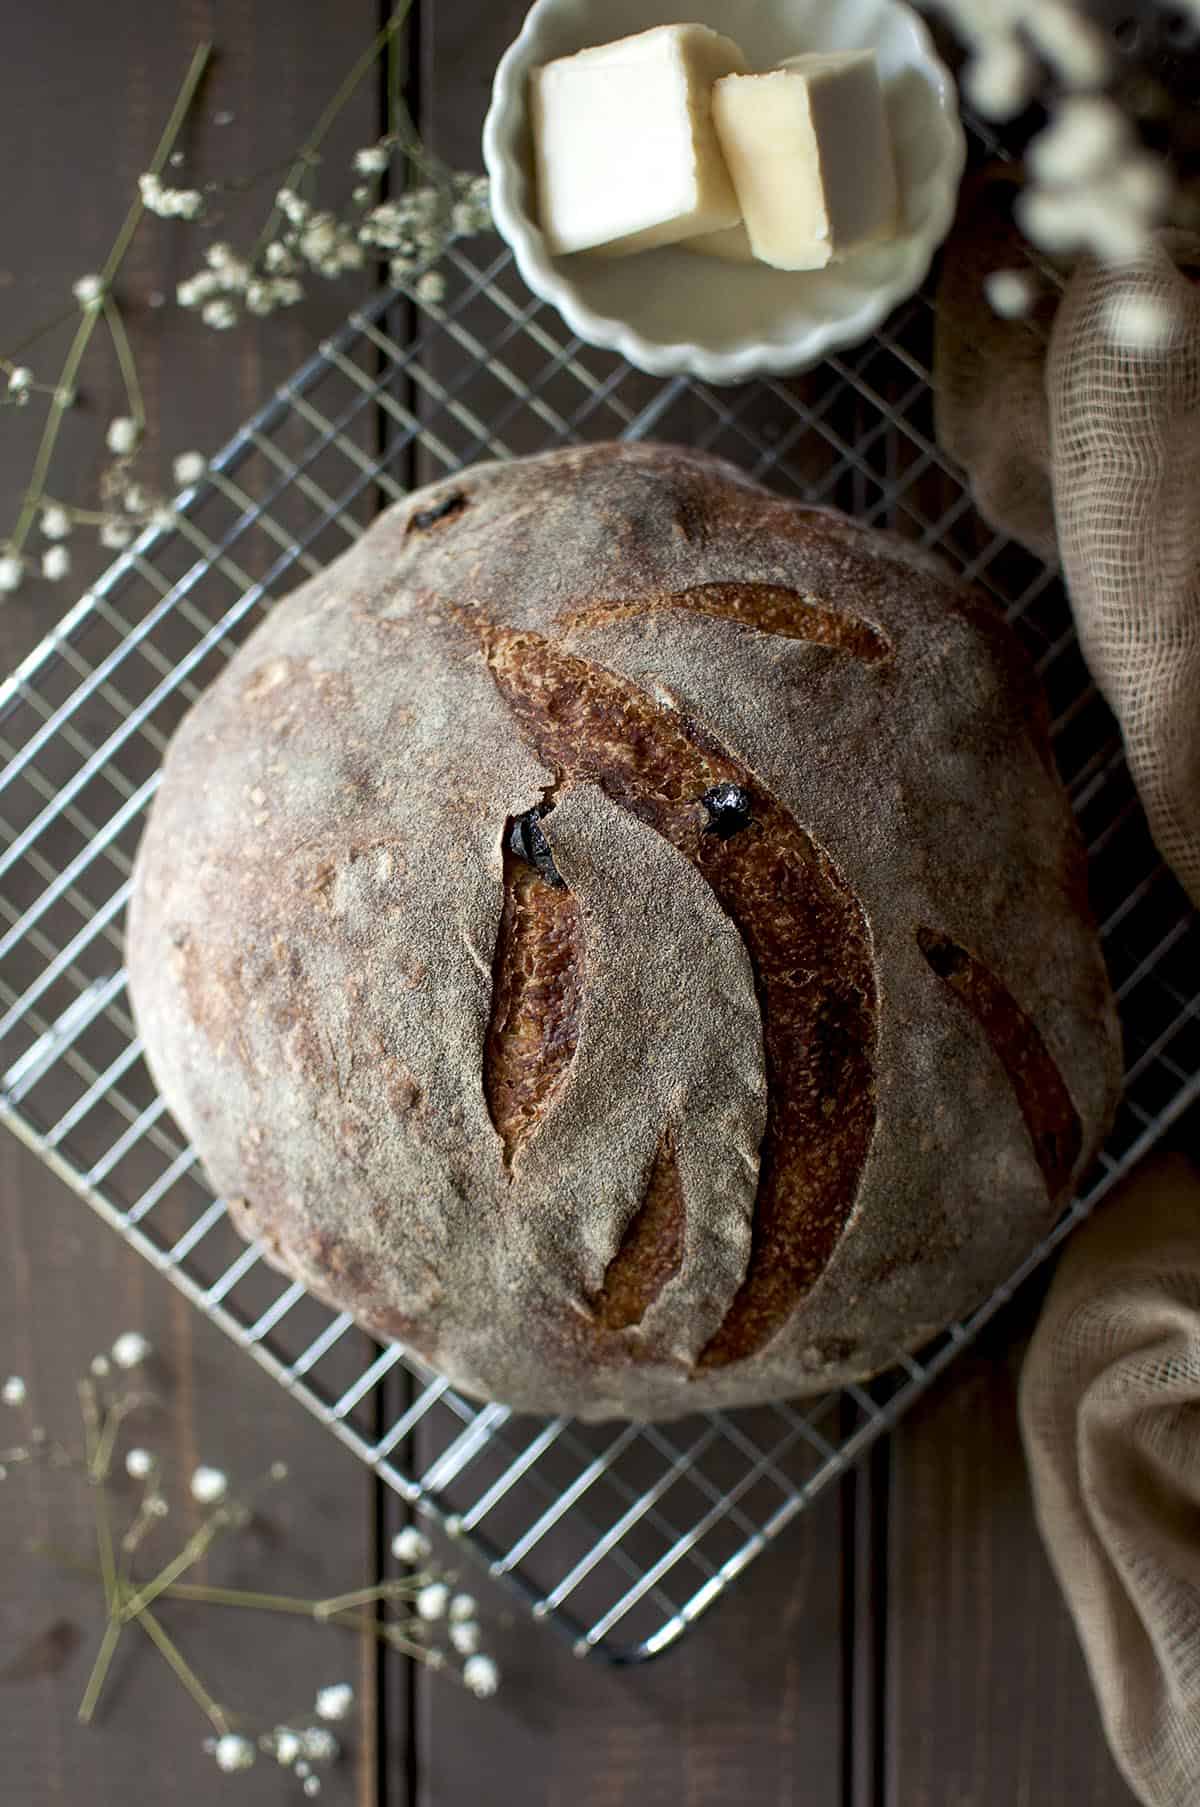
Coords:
625,152
732,243
808,149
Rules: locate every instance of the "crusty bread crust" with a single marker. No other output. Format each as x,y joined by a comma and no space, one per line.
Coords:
620,933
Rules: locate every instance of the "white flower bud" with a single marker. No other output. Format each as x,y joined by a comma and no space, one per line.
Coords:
138,1464
122,435
318,1745
189,467
465,1637
1010,293
56,563
1086,137
13,1390
56,522
432,1600
1074,47
208,1485
372,160
335,1701
88,291
20,380
11,573
410,1545
219,314
130,1349
481,1675
287,1746
233,1752
1000,78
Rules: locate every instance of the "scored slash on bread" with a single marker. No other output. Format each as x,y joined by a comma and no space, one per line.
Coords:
720,1115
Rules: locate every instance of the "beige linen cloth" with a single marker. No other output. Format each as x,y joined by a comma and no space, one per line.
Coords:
1110,1415
1086,448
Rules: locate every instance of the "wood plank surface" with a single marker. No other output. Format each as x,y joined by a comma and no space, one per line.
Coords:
988,1699
903,1646
84,94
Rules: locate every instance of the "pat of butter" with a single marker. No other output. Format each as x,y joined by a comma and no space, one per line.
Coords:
732,243
808,149
625,152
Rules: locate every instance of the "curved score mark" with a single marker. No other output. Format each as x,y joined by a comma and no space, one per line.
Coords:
651,1251
803,929
766,608
537,1000
1050,1116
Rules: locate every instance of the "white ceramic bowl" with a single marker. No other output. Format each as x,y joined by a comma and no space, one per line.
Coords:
670,310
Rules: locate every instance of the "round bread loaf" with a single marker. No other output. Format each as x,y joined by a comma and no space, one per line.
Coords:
621,934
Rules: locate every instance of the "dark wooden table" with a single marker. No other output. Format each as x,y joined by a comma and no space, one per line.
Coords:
905,1644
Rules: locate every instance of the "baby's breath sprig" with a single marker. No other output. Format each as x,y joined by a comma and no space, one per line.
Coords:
95,303
298,240
419,1612
1090,184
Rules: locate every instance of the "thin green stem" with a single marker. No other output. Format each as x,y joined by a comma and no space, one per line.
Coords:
104,1656
236,1596
195,1547
361,1596
184,1671
83,517
305,156
388,1633
125,358
45,452
105,1443
39,332
87,324
166,144
395,1638
91,1420
104,1543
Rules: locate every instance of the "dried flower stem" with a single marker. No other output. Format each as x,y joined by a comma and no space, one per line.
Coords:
236,1596
382,1629
96,1680
196,1546
102,1454
214,1713
104,1543
306,156
39,332
363,1596
87,324
125,359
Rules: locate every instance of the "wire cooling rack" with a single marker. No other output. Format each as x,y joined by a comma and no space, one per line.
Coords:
621,1535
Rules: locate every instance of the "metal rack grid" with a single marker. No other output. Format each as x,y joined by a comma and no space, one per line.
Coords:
621,1535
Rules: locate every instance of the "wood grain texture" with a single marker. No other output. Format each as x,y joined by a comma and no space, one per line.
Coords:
988,1698
67,1287
83,96
778,1696
745,1710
